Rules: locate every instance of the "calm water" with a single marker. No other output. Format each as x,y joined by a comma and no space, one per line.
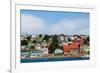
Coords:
51,59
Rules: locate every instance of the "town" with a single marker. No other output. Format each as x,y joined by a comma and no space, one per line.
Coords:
57,45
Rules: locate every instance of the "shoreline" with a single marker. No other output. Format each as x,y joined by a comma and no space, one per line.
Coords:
44,57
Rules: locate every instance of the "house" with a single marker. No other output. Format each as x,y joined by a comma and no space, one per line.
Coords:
36,53
38,47
45,50
66,48
61,38
23,47
33,36
71,48
58,51
24,54
75,48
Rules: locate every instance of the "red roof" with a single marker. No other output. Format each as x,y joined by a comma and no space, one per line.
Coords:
67,48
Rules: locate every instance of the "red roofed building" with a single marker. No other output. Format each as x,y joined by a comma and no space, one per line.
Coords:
73,47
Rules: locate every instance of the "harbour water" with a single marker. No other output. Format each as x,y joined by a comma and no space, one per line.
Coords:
50,59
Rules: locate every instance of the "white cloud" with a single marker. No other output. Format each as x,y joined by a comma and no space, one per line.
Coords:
35,25
84,31
73,26
31,24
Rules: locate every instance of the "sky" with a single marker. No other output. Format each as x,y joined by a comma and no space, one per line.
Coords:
52,22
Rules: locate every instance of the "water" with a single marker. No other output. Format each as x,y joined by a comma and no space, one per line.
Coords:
50,59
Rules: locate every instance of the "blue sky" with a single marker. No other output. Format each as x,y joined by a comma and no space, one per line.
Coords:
52,22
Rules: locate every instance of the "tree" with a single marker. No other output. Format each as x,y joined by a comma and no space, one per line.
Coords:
32,48
54,45
40,35
69,39
29,37
86,41
24,42
34,41
46,38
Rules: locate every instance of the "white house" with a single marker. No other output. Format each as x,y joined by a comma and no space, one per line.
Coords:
45,50
22,47
24,54
58,51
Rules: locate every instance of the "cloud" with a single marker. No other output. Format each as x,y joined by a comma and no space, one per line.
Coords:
84,31
31,24
71,26
35,25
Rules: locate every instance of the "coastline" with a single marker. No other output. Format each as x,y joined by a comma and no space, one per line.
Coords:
54,58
